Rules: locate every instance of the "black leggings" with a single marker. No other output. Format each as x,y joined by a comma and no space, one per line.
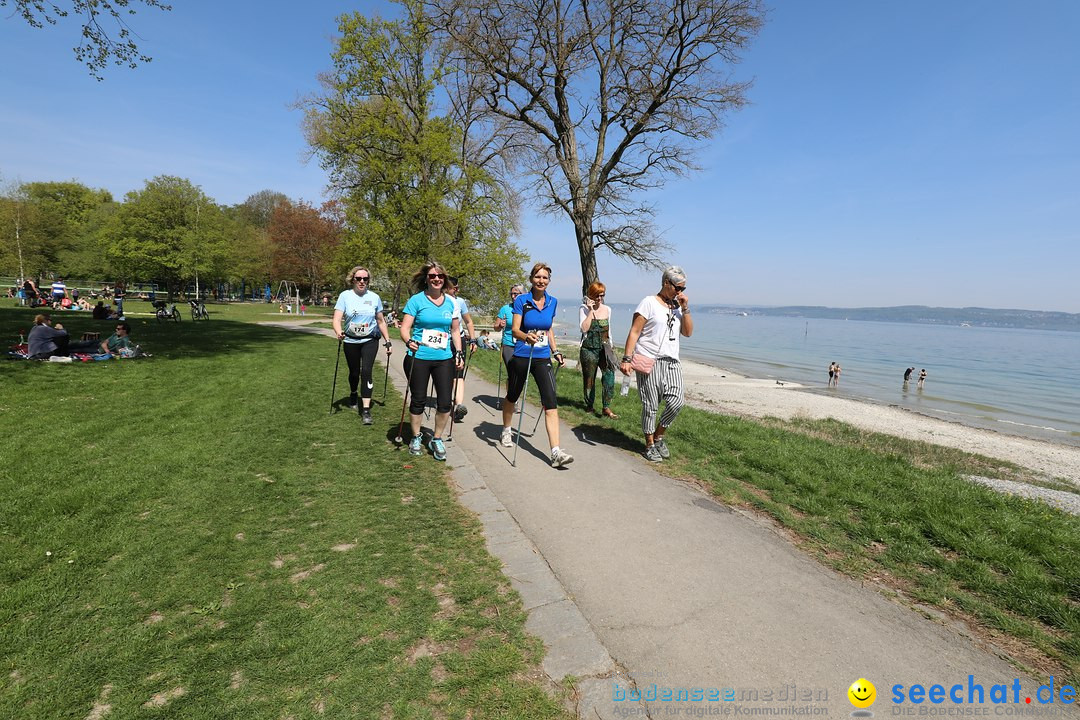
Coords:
361,359
517,372
419,372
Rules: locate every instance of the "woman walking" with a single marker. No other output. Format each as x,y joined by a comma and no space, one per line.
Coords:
533,315
505,322
431,329
359,323
595,320
652,351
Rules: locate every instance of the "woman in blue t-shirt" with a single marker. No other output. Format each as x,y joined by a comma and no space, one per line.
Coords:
359,323
534,313
431,328
505,321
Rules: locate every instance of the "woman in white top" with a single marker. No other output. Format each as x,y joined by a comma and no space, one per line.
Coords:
659,321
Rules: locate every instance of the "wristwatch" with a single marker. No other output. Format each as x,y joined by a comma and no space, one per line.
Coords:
627,359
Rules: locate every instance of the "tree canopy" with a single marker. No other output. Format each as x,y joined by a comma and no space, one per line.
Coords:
605,99
100,45
405,174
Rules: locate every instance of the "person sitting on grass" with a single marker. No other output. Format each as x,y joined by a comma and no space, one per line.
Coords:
100,312
119,343
46,340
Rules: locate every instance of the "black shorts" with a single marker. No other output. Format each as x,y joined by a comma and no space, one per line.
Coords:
419,372
517,373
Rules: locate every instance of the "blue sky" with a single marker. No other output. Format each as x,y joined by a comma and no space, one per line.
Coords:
909,152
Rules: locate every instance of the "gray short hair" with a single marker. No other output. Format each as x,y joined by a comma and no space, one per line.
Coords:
674,275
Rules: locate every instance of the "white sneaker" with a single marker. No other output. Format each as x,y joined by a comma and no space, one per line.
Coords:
560,457
507,438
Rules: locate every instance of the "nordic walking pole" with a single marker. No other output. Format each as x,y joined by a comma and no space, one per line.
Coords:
453,397
554,382
408,386
498,389
521,416
386,377
333,390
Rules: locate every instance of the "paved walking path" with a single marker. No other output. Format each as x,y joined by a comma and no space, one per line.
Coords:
633,579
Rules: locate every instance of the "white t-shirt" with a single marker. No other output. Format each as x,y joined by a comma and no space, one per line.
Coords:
663,325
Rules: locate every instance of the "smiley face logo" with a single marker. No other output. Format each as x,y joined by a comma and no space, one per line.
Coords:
862,693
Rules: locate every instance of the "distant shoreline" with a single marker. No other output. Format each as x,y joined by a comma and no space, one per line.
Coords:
920,315
717,389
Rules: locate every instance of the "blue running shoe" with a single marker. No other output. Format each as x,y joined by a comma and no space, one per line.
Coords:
438,450
416,445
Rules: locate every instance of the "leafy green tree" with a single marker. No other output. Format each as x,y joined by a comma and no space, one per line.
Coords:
249,251
169,231
50,228
100,46
63,210
16,215
402,171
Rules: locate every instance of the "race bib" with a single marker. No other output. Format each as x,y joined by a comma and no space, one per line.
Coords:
359,329
436,339
541,338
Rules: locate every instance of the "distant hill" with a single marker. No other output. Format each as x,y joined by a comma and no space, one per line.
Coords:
974,316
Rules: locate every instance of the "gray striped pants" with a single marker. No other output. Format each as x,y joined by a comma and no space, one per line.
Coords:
663,383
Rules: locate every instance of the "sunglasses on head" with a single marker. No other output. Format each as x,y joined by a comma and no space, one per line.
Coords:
434,276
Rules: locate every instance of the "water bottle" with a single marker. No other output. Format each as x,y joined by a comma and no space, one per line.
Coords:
625,386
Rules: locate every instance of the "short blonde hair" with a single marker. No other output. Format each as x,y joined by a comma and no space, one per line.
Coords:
349,277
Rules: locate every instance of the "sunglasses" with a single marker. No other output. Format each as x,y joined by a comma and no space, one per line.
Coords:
361,278
436,276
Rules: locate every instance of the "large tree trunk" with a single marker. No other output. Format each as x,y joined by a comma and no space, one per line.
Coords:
587,253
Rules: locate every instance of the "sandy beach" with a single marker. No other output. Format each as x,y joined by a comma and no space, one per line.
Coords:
721,390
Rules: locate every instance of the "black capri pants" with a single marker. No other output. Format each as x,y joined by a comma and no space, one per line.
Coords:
507,355
361,360
517,372
419,372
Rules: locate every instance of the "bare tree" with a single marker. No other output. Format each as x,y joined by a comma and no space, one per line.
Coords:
612,97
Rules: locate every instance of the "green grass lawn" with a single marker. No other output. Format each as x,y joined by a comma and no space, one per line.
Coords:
877,507
193,535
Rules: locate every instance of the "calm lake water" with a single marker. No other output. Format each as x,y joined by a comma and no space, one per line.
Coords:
1021,382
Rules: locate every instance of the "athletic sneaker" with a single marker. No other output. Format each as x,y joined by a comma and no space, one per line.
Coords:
366,415
560,457
438,450
661,447
460,412
507,438
353,402
652,454
416,445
